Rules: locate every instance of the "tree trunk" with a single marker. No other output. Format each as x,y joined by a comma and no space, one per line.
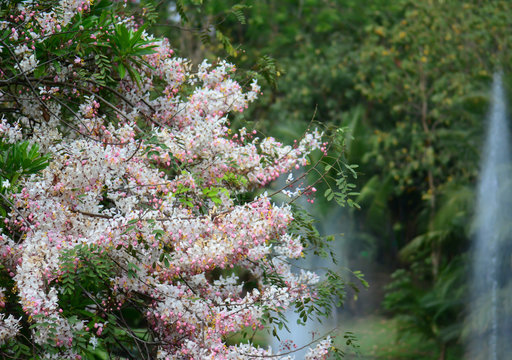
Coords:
442,354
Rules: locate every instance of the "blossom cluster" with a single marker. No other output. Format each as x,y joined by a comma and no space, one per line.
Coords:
152,184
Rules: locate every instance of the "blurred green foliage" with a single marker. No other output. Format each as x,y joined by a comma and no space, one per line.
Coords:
410,81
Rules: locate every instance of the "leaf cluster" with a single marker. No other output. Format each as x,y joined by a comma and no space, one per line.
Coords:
20,159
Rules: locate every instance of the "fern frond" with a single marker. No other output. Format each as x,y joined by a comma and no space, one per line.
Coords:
180,8
239,16
269,69
205,36
226,43
150,12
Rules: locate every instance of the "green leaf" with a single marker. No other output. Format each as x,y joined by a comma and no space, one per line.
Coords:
122,70
128,229
39,71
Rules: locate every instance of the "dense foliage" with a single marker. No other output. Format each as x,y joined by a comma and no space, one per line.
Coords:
132,224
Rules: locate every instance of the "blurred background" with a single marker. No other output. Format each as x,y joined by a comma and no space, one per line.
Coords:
410,82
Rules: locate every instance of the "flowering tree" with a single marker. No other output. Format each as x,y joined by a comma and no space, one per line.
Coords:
126,199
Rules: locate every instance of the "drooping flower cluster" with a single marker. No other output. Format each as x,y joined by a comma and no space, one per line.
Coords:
143,191
9,327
